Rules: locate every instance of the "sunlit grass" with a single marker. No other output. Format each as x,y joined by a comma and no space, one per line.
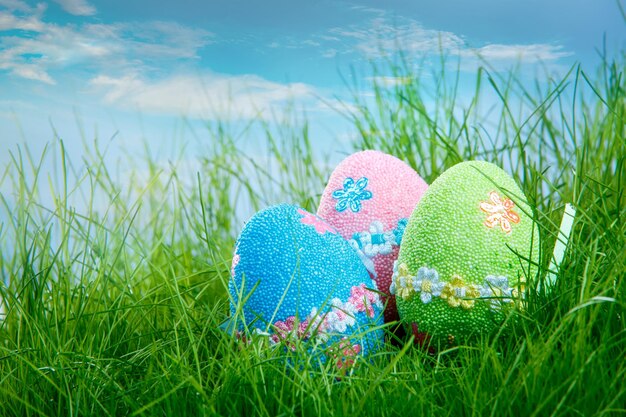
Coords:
114,288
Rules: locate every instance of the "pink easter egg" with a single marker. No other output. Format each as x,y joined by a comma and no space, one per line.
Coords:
368,199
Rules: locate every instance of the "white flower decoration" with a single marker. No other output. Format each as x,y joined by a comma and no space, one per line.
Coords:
377,241
427,284
497,289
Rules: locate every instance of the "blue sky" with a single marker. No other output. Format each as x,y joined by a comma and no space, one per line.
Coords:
135,68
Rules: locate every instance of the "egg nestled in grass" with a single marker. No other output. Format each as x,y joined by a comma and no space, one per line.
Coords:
295,279
368,199
468,250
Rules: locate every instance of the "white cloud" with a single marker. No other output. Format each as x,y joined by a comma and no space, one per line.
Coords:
31,72
77,7
127,55
10,22
207,96
310,42
381,37
527,53
372,10
53,47
159,39
16,5
328,38
56,47
291,42
330,53
29,18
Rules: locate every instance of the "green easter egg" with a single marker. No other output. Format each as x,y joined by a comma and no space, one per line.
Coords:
467,252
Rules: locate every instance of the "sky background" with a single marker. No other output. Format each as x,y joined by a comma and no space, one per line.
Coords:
143,71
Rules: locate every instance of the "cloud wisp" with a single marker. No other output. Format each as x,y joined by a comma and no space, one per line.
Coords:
207,96
383,37
77,7
19,5
529,53
137,67
50,47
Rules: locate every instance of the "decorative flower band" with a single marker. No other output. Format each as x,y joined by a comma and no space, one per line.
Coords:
456,292
321,326
377,241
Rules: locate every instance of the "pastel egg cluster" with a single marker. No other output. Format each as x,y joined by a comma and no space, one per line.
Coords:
454,257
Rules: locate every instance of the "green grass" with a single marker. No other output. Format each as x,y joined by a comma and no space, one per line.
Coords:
115,286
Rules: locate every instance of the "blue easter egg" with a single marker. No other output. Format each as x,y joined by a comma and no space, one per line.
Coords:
298,279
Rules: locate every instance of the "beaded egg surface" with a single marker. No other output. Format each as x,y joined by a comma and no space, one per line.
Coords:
368,199
467,251
302,281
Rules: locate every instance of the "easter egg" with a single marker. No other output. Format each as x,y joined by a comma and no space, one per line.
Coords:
467,251
368,199
294,278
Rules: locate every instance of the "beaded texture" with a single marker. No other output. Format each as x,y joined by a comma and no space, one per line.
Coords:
464,255
368,199
301,280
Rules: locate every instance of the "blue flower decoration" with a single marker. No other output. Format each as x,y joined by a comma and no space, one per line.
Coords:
352,194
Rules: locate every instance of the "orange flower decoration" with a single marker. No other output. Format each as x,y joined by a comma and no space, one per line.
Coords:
500,211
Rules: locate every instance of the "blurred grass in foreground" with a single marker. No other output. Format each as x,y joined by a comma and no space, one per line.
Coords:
112,306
